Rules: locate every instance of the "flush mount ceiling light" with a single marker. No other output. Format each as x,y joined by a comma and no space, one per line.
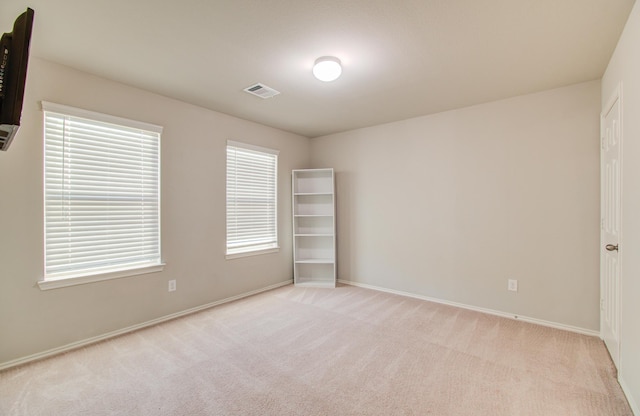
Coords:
327,68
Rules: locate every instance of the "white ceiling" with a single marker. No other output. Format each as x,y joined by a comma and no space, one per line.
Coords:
401,58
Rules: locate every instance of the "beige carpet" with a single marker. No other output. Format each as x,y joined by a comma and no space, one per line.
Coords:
347,351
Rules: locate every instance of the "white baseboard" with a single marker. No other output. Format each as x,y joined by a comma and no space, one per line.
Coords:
550,324
112,334
627,392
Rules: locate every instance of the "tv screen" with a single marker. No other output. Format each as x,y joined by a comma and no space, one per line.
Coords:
14,56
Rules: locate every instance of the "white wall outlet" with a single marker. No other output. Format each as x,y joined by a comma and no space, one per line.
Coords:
172,285
512,285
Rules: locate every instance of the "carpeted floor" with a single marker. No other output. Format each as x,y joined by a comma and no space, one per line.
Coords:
343,351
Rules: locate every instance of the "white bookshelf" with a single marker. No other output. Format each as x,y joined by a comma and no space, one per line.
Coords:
314,227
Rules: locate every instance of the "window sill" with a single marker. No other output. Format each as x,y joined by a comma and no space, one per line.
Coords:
252,253
81,280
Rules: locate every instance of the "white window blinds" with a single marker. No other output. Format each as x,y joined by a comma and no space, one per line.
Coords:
102,193
251,198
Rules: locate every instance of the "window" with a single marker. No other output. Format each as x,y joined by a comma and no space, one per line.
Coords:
101,195
252,177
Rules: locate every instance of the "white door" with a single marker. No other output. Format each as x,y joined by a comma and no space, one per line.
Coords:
611,140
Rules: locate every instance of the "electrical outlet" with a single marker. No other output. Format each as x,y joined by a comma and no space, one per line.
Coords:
512,285
172,285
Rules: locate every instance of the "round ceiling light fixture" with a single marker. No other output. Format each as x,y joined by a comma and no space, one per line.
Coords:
327,68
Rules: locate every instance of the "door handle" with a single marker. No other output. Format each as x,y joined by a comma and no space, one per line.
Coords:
611,247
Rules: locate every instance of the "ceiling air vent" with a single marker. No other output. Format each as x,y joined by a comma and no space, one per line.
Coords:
261,91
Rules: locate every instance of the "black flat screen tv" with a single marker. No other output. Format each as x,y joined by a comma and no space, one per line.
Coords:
14,57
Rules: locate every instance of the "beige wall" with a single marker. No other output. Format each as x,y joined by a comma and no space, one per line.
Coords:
193,217
452,205
625,68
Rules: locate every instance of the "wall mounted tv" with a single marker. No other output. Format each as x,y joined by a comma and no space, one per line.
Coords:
14,56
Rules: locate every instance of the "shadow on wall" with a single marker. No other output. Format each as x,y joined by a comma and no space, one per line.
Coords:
345,225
